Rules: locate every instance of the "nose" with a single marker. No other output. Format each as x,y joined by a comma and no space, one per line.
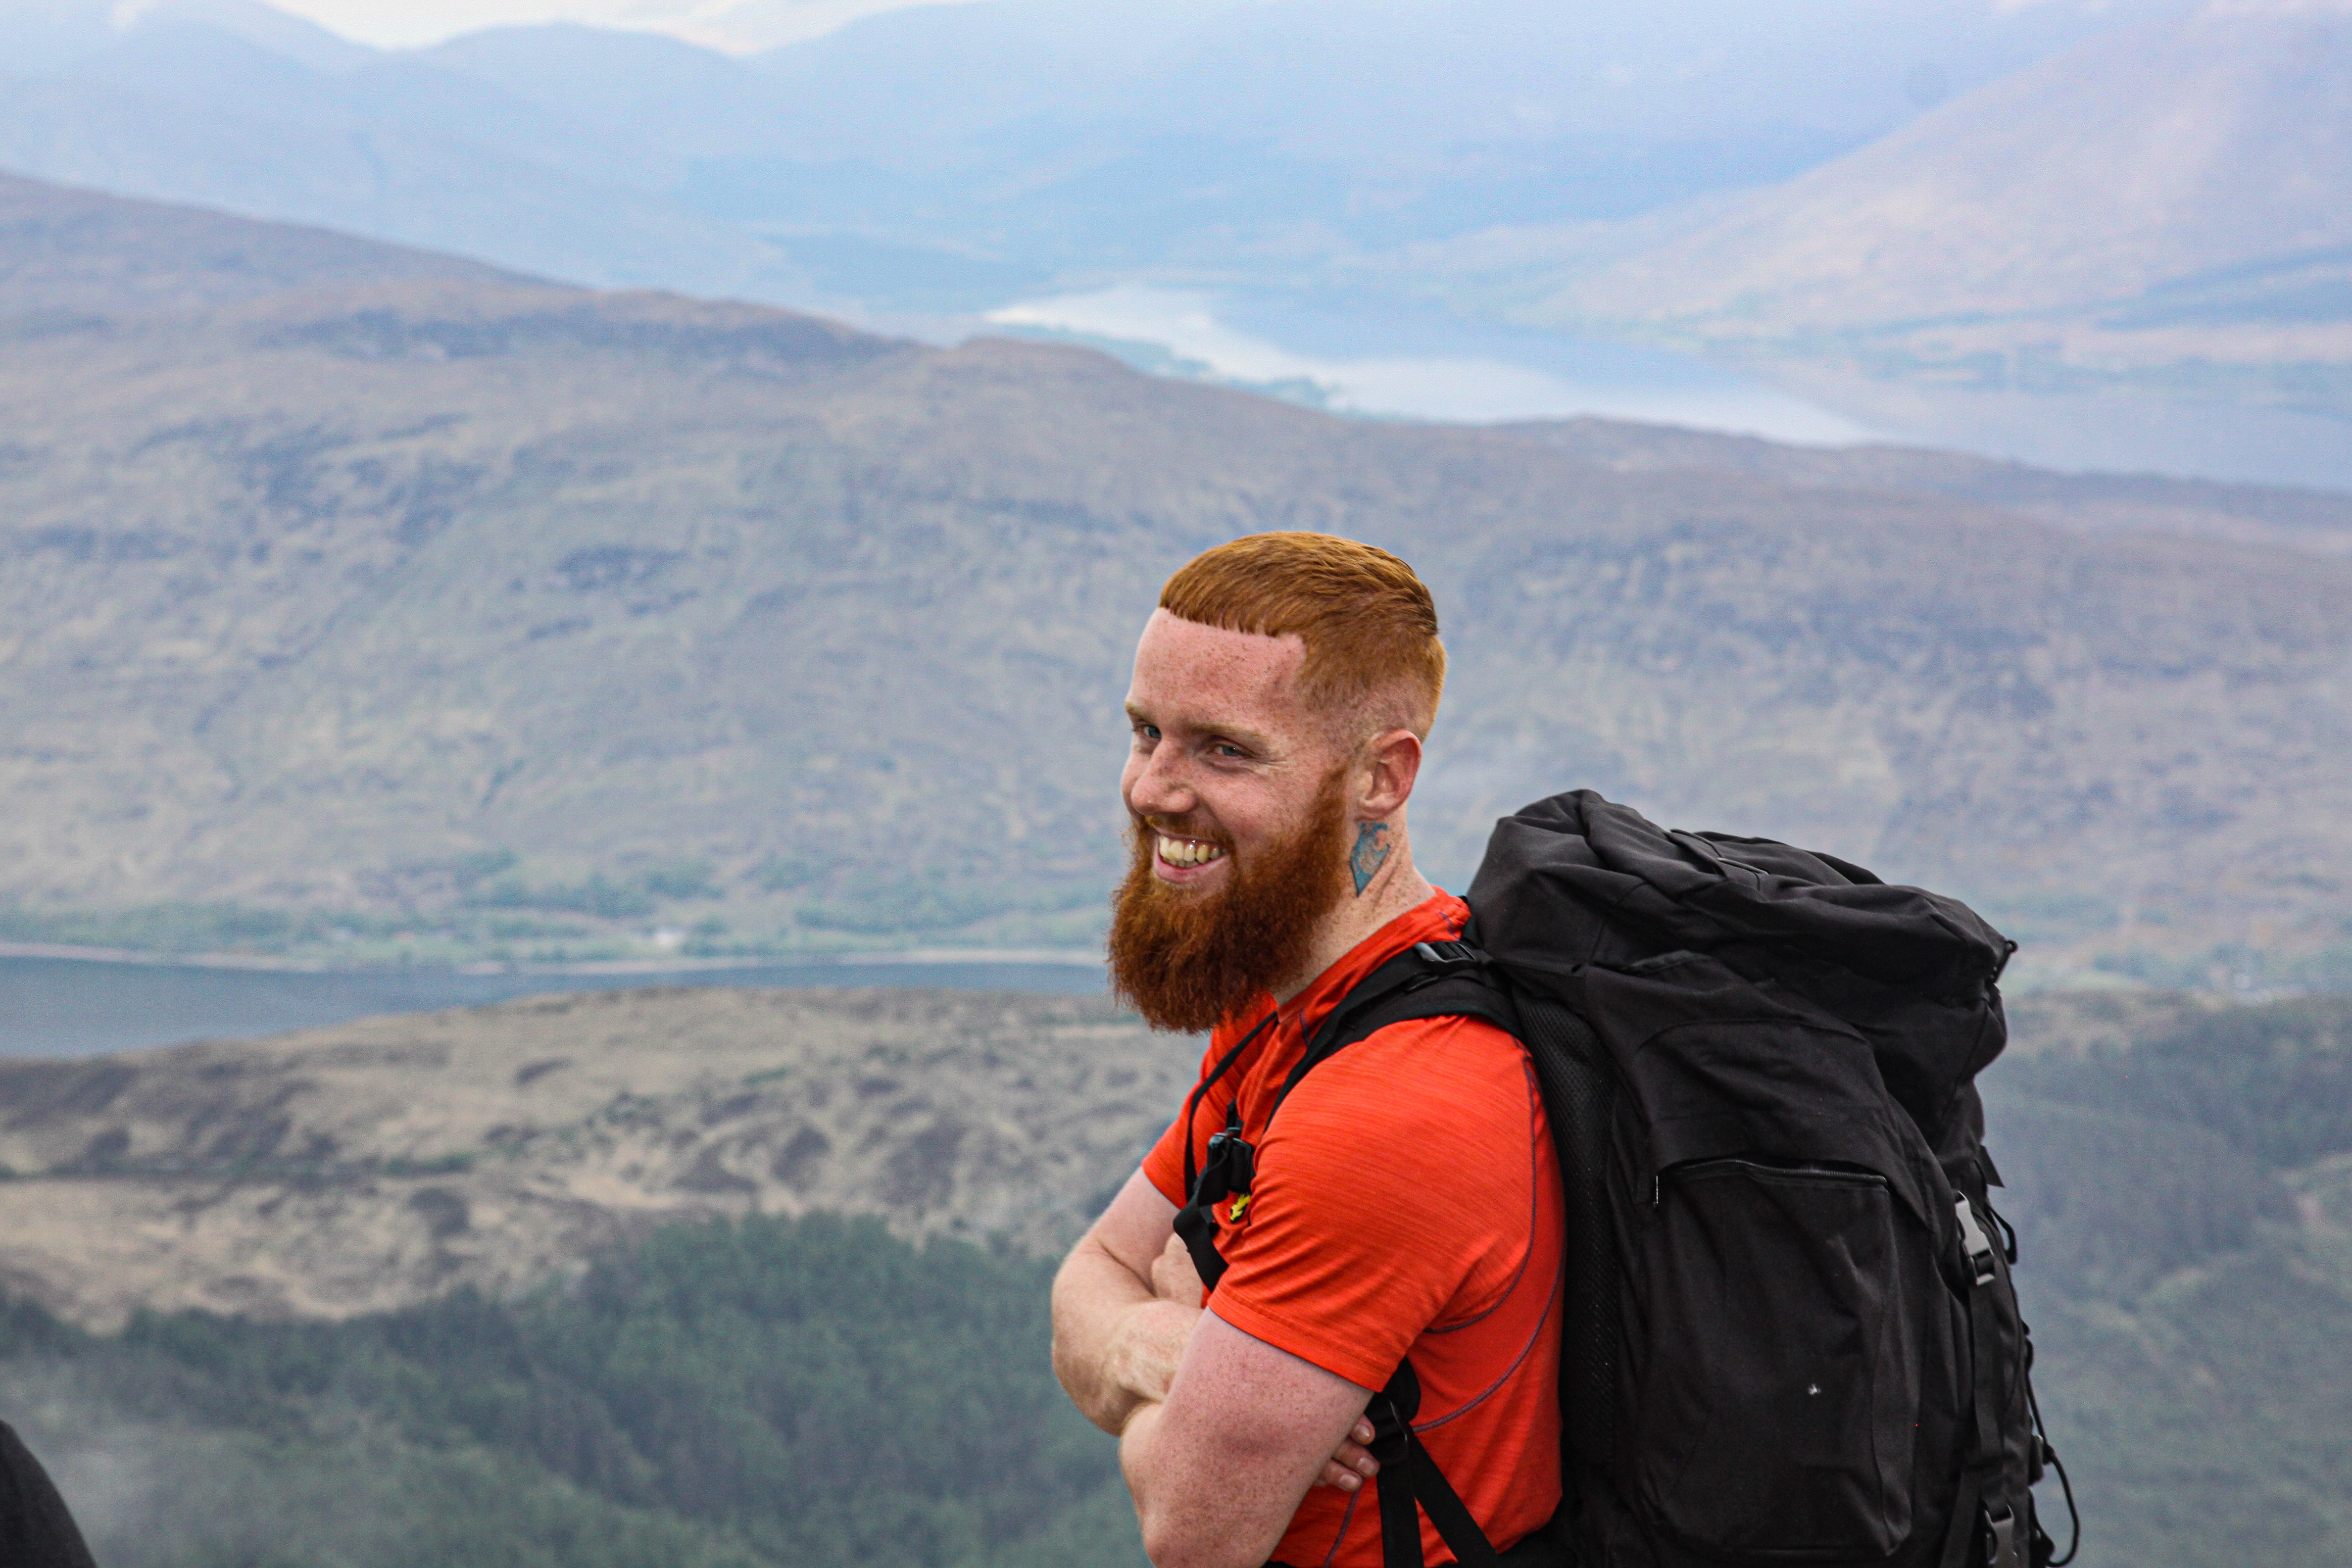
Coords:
1156,784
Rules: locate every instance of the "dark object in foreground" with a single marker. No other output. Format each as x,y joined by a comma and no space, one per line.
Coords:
36,1529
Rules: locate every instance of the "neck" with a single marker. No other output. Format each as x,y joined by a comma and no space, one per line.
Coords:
1395,888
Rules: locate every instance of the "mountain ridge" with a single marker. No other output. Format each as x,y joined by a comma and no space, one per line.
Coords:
66,249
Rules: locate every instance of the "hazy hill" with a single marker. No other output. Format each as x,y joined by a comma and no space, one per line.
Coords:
945,158
251,111
2246,514
341,601
2166,209
66,252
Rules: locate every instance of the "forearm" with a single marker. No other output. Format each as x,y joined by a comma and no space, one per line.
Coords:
1116,1343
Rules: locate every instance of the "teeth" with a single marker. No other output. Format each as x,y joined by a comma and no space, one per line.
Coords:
1188,851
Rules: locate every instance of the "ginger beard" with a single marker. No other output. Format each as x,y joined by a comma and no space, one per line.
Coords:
1184,959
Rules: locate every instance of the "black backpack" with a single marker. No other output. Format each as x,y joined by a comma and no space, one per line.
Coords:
37,1530
1790,1336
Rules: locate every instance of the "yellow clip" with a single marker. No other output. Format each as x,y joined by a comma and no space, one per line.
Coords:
1238,1207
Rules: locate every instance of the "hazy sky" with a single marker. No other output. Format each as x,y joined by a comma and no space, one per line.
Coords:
723,24
731,24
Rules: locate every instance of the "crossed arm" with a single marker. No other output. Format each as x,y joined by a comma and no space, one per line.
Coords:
1220,1435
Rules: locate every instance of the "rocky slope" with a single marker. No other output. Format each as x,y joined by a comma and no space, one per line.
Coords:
341,1170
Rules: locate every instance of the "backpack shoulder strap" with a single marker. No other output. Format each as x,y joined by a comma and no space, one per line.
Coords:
1427,980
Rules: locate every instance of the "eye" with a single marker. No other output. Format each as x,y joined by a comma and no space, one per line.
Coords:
1228,750
1147,732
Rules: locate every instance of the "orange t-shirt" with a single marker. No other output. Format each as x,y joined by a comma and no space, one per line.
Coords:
1406,1201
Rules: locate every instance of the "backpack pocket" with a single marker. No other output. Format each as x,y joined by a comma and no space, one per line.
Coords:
1780,1395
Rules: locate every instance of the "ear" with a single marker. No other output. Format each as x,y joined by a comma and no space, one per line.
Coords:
1388,764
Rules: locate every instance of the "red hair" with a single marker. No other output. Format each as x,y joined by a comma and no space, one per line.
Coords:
1369,624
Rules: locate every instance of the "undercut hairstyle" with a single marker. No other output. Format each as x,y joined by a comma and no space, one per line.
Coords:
1373,658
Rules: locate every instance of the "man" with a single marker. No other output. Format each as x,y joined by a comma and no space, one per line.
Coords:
1406,1203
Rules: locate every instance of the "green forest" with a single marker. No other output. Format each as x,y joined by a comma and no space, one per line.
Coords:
2184,1217
728,1396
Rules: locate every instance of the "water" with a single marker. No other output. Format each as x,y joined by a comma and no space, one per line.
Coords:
1376,358
1383,360
67,1007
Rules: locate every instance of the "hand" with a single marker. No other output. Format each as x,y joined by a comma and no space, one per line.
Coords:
1351,1464
1173,1278
1150,1341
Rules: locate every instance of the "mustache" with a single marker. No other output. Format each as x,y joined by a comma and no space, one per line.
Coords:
1142,823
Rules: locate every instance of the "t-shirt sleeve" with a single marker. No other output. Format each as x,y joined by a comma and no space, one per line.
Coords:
1392,1172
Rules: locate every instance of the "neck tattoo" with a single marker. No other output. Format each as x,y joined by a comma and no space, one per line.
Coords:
1365,859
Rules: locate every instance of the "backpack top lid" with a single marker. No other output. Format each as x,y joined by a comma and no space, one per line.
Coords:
1575,885
1565,874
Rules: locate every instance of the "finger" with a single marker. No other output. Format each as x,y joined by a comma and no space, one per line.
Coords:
1362,1432
1333,1475
1350,1457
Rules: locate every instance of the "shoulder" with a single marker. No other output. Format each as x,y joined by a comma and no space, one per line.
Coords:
1448,1083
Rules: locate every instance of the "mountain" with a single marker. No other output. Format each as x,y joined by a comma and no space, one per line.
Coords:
2162,209
469,619
944,159
1351,179
243,108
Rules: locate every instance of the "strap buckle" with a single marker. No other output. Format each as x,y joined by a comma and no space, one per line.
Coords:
1973,1240
2003,1528
1450,955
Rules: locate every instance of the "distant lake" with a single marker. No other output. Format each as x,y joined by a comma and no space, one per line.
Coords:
1383,359
70,1007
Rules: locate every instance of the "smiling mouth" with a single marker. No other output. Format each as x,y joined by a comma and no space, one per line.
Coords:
1187,852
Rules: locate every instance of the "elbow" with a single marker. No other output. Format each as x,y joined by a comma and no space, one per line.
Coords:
1175,1548
1173,1542
1079,1380
1163,1546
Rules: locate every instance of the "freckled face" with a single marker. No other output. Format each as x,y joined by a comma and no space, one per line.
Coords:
1224,761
